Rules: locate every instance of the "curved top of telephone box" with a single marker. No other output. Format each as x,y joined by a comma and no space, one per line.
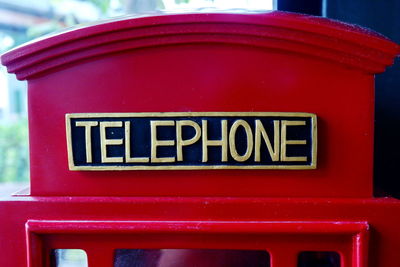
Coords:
275,70
313,36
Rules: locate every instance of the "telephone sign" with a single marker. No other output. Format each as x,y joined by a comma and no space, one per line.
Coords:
192,140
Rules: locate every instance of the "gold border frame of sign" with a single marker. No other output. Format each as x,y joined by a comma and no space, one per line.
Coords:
72,167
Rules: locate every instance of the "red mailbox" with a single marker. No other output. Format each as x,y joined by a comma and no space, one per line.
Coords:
208,139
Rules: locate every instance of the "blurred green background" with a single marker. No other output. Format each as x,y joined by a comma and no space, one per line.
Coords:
14,160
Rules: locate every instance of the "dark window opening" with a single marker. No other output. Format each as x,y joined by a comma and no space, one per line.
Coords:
318,259
190,257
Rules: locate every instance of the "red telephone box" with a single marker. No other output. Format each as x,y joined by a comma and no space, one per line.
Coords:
202,140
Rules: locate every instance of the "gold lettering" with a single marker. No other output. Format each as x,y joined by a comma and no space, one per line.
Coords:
223,142
155,143
88,137
104,142
285,142
260,131
232,142
128,154
179,140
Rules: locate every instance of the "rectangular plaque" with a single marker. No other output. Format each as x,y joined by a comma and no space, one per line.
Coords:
191,140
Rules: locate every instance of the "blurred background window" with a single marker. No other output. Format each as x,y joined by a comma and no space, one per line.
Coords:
24,20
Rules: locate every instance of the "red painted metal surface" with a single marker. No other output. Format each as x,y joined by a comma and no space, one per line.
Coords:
272,62
207,62
347,238
283,226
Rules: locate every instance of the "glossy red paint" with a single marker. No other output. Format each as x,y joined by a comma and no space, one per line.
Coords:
268,62
207,62
283,226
